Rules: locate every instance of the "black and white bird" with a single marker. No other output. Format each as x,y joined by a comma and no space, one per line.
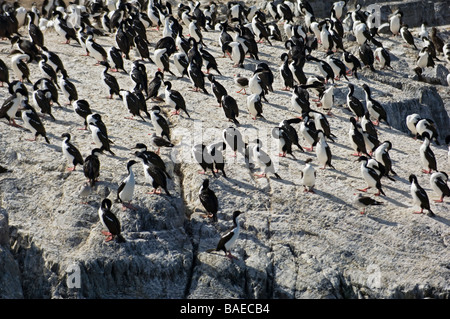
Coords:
175,99
338,67
228,240
230,108
309,132
181,62
325,69
371,176
125,192
70,152
322,124
154,86
395,22
209,200
300,99
381,155
69,89
216,150
110,222
100,137
308,176
110,81
203,158
367,56
209,60
327,100
235,52
233,137
47,70
197,77
352,63
438,183
82,109
159,142
427,156
263,160
427,125
20,68
115,60
286,73
11,105
91,166
407,36
160,123
138,75
356,138
363,202
284,142
425,59
161,59
154,175
242,82
411,123
217,88
354,104
259,29
151,157
254,106
419,196
42,99
55,61
131,103
375,109
323,151
32,122
96,50
383,57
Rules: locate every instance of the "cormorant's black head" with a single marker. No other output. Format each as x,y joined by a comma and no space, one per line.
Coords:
66,135
412,178
140,146
236,214
106,204
96,151
131,163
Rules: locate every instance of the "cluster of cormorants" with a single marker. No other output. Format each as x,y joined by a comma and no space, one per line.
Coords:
240,30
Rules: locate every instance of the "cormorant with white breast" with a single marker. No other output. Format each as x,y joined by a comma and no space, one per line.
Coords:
110,222
228,240
154,175
125,191
70,152
419,196
175,99
32,122
438,182
372,178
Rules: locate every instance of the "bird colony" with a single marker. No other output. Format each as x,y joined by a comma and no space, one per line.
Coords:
262,117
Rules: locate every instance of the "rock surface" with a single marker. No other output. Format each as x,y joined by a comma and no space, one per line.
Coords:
292,244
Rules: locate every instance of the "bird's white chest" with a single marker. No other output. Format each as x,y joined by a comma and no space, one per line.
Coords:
127,192
308,176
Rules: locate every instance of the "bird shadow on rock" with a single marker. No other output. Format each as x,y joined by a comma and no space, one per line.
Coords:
394,201
332,197
382,221
441,219
236,182
282,181
277,106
